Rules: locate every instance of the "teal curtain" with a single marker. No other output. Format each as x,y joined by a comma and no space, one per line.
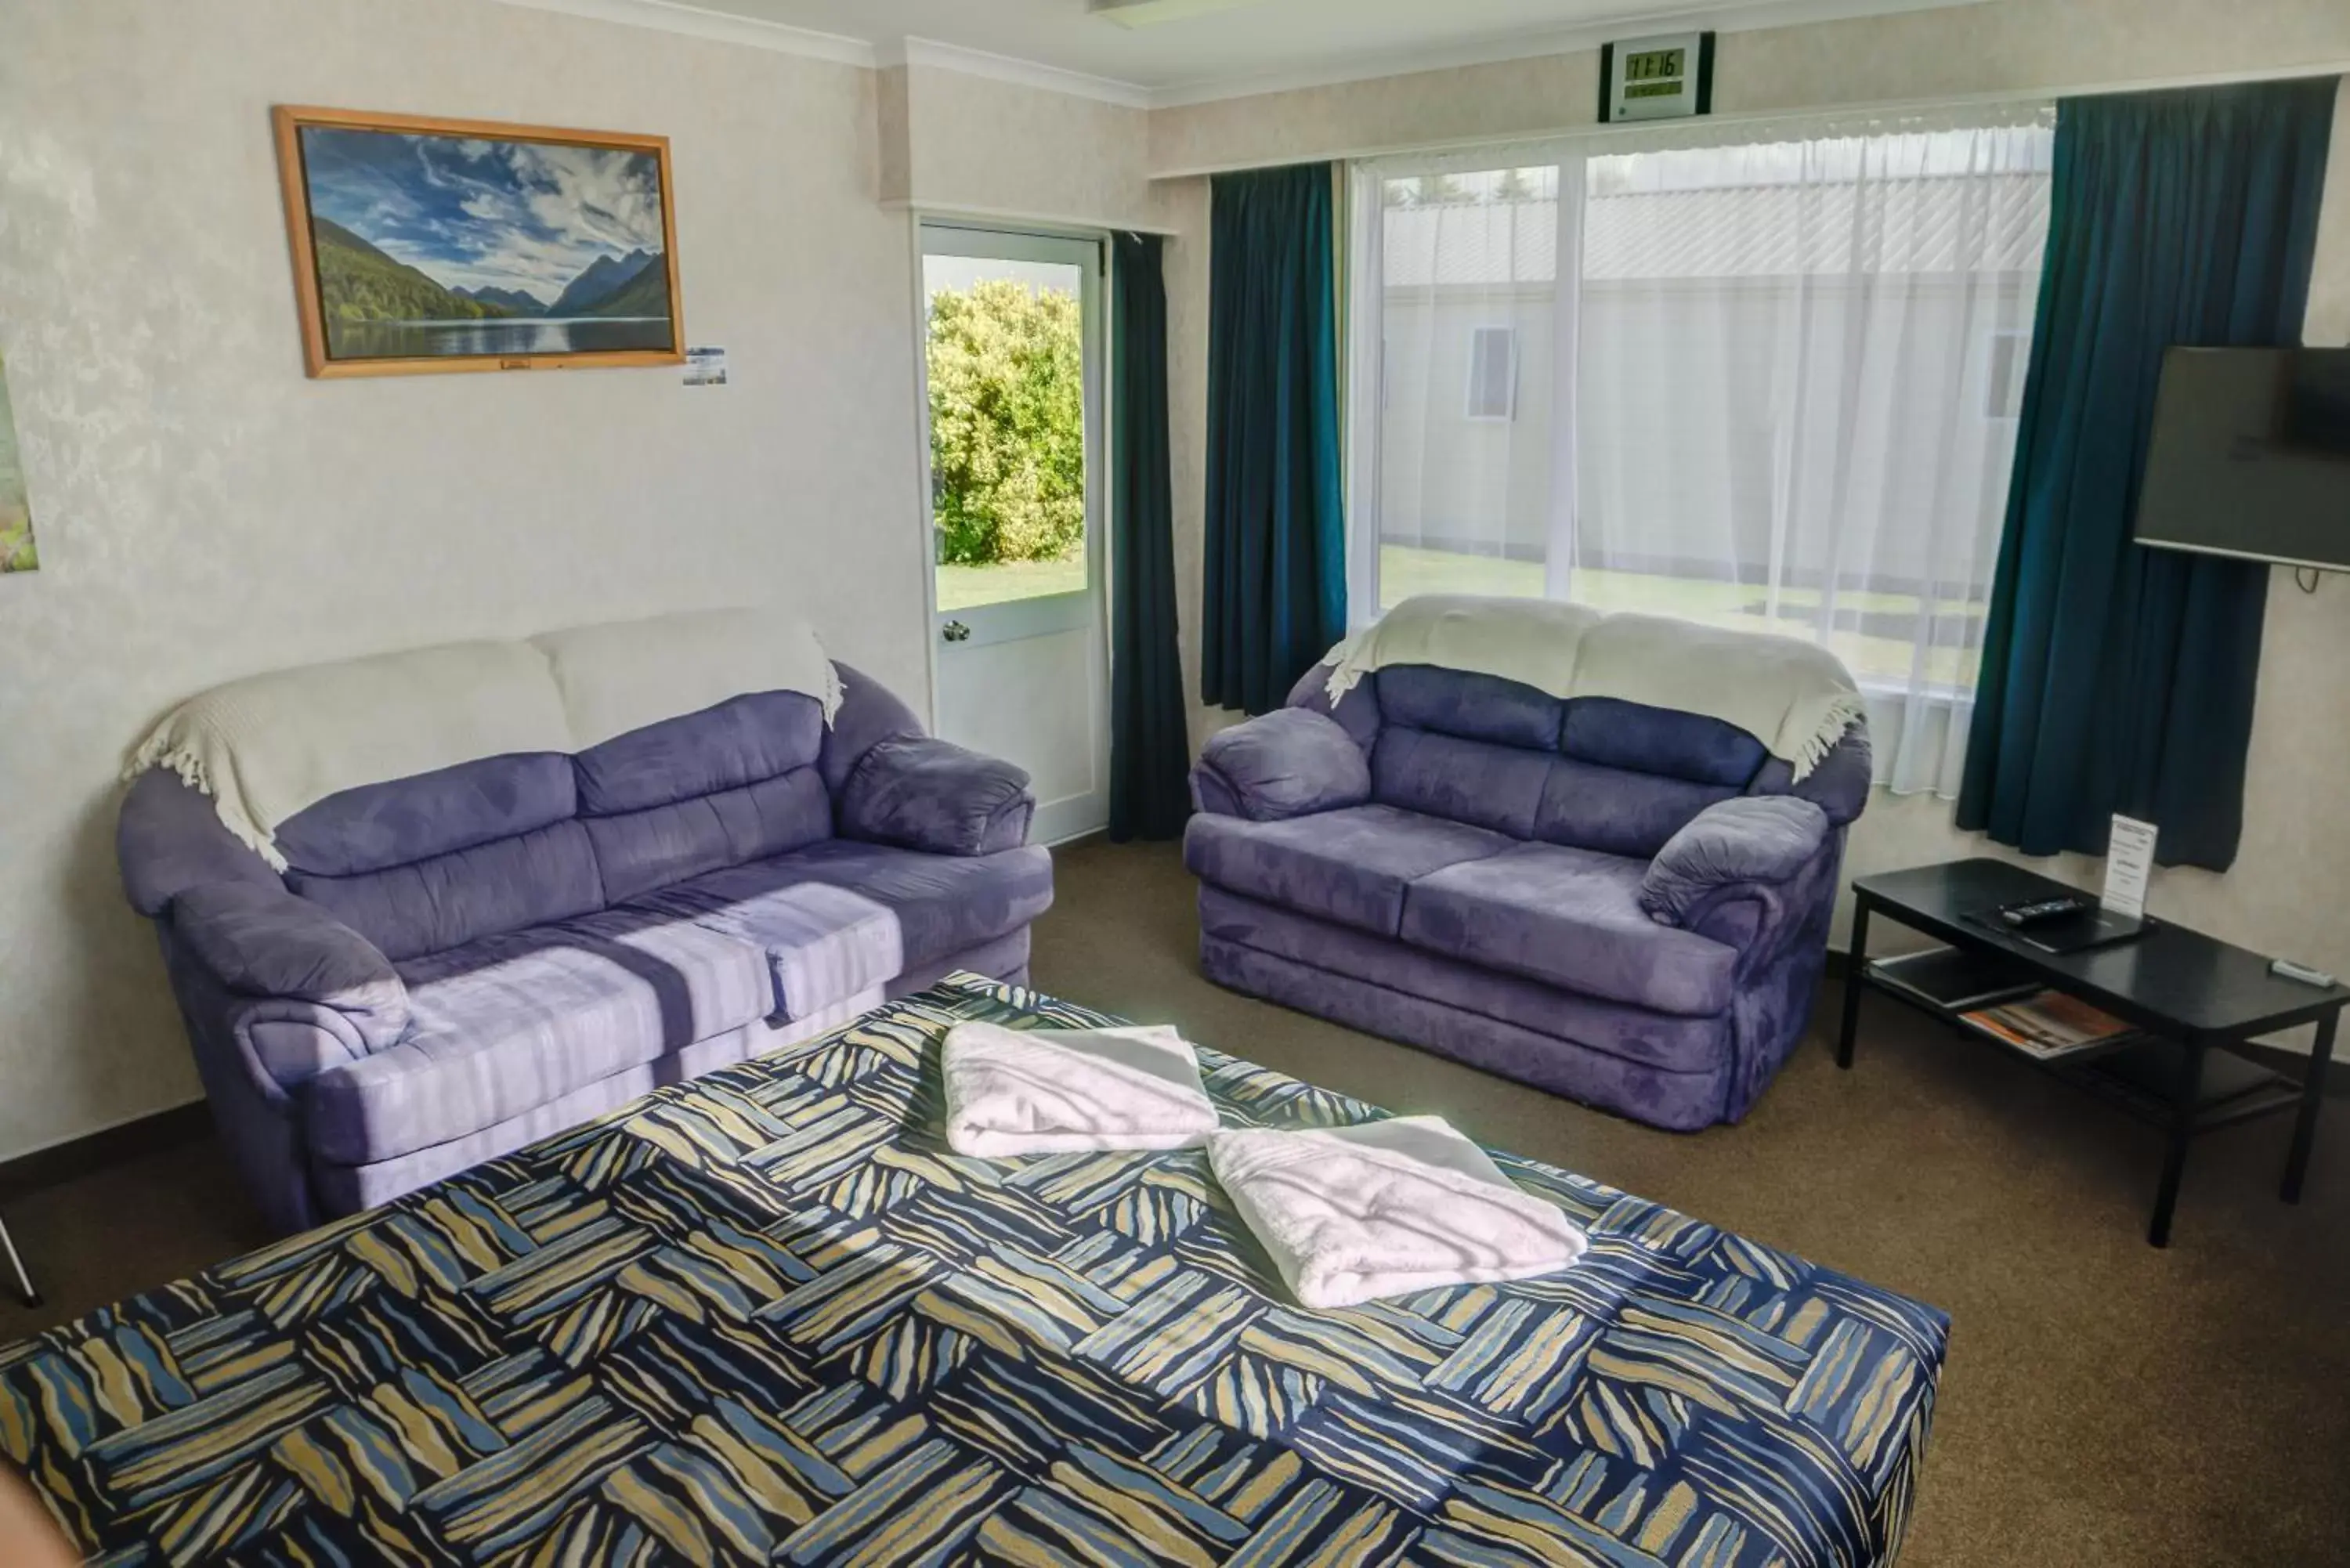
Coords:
1274,580
1150,754
2115,677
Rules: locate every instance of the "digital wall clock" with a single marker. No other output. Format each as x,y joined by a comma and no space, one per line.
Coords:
1665,77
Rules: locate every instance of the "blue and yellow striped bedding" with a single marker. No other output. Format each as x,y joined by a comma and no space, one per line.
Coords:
768,1318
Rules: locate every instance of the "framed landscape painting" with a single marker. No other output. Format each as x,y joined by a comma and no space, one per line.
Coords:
425,246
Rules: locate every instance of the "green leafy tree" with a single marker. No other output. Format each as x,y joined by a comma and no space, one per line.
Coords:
1007,423
360,282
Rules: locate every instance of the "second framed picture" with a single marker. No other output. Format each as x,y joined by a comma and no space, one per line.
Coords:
425,246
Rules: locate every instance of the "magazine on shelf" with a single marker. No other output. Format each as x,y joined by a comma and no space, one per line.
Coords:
1953,980
2050,1024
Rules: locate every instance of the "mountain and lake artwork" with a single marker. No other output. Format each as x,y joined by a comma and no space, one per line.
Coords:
438,244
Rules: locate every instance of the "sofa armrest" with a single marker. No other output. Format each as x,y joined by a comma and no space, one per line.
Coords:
169,838
1750,842
264,942
1289,762
923,794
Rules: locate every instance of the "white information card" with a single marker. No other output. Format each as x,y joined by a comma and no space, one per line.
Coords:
2129,861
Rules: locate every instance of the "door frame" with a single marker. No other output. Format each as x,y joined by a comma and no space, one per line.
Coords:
1088,249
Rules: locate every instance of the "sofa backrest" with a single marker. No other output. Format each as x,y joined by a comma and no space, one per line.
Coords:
424,863
1593,773
418,865
735,783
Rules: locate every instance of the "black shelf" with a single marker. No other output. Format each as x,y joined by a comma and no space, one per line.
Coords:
2136,1072
1957,1018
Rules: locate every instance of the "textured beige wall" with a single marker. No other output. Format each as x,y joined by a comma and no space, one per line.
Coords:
2285,894
205,511
1001,147
893,123
2000,46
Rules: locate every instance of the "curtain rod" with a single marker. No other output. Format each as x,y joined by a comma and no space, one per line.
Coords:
1790,111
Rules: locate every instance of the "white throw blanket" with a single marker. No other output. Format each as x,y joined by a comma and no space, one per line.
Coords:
1794,695
1012,1092
628,674
1387,1208
270,746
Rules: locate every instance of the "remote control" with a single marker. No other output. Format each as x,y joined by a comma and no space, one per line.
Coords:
2285,968
2041,913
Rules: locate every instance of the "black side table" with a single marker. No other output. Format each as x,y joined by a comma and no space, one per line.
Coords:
2188,994
24,1291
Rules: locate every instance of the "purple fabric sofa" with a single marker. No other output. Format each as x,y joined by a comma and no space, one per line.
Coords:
457,964
1624,905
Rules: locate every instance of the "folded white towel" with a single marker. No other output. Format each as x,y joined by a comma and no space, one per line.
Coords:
1012,1092
1387,1208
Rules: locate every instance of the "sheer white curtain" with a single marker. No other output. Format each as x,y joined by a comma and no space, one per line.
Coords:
1780,374
1458,429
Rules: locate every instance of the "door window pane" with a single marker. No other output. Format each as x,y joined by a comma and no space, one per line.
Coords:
1006,361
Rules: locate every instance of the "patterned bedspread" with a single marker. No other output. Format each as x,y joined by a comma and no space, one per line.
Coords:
767,1317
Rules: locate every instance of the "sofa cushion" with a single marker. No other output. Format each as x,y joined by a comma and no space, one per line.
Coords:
1661,740
1589,805
1475,782
1473,706
642,850
406,820
507,1023
1572,917
823,944
731,783
1350,866
450,901
942,903
735,744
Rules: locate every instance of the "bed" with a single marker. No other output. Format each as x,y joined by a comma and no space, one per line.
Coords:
768,1318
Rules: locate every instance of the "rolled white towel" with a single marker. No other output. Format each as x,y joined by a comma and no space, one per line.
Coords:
1012,1092
1387,1208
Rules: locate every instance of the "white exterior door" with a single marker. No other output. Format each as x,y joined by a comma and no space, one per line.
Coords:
1014,381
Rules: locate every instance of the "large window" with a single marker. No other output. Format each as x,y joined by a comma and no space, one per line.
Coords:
1768,385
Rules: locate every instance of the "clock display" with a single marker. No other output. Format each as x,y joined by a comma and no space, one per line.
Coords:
1654,65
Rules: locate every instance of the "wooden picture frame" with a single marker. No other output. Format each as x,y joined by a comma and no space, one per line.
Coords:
429,202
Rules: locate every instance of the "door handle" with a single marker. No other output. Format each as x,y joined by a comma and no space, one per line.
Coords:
955,632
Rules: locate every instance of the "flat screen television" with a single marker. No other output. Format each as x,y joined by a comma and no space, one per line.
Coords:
2251,456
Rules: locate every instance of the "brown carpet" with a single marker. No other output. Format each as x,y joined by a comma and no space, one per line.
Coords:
2105,1402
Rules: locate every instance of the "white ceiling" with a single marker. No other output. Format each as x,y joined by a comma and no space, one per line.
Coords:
1218,50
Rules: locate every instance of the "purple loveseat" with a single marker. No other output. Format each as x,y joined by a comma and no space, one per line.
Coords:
1624,905
457,964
